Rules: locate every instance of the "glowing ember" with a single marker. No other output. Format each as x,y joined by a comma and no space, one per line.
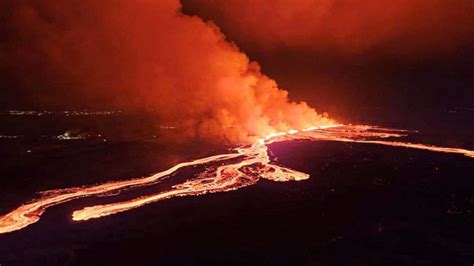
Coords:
252,164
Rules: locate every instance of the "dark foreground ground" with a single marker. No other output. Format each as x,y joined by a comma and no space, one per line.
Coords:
364,205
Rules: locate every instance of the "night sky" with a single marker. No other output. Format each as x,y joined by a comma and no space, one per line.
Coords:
397,55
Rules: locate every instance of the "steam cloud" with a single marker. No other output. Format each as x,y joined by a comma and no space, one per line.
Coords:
143,55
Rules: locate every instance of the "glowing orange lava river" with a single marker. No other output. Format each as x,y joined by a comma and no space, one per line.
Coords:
243,167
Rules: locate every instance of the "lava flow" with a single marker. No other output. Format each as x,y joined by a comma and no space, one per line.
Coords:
243,167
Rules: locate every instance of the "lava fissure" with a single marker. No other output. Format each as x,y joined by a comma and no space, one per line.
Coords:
242,168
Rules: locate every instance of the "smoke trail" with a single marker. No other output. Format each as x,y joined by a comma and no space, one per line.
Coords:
143,55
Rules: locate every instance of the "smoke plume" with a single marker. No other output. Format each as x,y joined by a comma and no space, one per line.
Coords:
142,55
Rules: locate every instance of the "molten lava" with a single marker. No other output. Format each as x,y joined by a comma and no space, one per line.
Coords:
244,167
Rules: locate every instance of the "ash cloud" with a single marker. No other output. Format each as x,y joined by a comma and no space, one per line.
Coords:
142,55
